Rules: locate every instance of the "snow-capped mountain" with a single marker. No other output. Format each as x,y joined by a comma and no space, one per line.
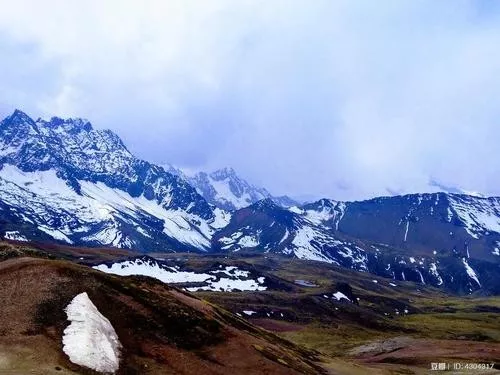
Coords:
226,190
64,180
420,222
267,227
444,240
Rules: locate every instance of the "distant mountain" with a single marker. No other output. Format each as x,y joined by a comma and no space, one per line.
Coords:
267,227
63,180
226,190
444,240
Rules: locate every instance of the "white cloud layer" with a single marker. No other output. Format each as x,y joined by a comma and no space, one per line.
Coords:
346,99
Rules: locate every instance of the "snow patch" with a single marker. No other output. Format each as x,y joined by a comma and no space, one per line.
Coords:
296,210
54,233
15,235
433,270
304,248
139,267
90,340
237,279
406,231
248,241
470,271
421,277
339,296
285,236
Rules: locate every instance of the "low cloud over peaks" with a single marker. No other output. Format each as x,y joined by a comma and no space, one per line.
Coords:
340,99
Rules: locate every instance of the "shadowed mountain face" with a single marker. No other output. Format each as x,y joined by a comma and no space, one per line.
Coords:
444,240
447,233
61,180
265,226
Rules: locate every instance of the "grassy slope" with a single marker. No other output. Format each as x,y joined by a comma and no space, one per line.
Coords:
163,330
435,319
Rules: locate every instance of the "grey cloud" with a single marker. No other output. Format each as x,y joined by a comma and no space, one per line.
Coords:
341,99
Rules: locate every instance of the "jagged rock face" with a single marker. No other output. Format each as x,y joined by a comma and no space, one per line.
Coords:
78,152
223,188
82,185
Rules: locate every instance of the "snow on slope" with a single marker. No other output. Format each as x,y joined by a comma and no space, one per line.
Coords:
15,235
43,196
267,227
323,212
70,151
225,189
435,273
479,215
303,248
90,340
224,193
225,284
168,275
340,295
470,272
226,279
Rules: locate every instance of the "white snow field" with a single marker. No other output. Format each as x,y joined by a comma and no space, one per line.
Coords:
236,279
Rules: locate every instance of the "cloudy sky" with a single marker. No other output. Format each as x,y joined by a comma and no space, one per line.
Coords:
345,99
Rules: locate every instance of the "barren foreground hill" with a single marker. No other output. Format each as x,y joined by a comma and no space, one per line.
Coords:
161,329
311,317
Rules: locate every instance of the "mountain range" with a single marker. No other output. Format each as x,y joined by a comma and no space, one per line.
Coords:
62,180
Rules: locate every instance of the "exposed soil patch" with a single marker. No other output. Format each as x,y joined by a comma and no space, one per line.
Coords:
276,325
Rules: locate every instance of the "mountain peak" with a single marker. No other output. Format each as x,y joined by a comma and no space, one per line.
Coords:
324,202
225,189
223,173
265,204
18,117
18,112
70,124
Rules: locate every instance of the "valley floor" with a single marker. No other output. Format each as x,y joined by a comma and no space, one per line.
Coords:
402,329
314,318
